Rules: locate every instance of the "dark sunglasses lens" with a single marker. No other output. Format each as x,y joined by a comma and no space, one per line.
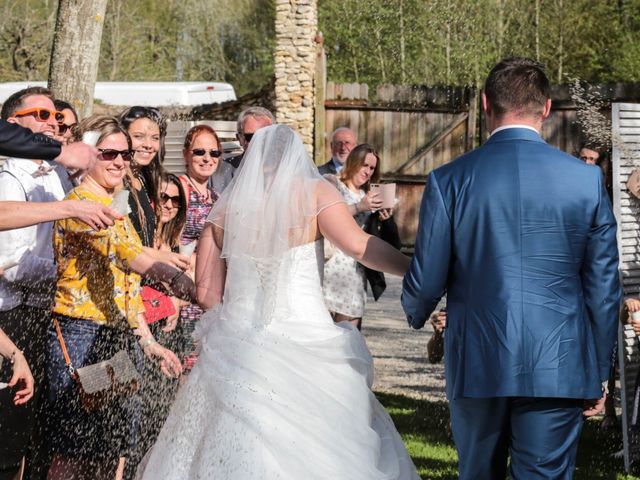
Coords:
200,152
43,115
64,128
109,154
113,154
248,136
174,200
59,116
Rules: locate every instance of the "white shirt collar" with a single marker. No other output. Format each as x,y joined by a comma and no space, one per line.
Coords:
515,125
26,165
337,164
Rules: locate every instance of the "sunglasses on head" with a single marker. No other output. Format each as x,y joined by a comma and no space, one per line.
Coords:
200,152
64,128
41,114
109,154
165,197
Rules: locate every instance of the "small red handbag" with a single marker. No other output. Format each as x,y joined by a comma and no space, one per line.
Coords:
157,305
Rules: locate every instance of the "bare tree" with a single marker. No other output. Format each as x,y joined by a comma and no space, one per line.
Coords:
76,52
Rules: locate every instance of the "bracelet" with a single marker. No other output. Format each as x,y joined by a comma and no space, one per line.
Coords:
146,342
12,358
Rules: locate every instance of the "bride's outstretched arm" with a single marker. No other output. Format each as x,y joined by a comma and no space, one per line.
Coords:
338,226
210,269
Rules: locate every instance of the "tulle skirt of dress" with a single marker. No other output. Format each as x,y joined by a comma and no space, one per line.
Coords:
265,407
279,391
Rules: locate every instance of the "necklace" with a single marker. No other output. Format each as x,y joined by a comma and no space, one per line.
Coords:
206,195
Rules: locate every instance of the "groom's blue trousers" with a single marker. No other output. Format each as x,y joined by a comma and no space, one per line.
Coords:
539,434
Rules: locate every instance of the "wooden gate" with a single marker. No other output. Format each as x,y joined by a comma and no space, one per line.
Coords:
415,129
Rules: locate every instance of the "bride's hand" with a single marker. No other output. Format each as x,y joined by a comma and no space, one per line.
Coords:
169,363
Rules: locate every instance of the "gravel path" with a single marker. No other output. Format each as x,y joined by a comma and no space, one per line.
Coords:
399,352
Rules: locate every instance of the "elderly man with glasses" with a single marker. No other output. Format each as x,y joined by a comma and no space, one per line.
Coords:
250,121
343,140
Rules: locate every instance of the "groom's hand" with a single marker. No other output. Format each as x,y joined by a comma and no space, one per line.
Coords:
594,407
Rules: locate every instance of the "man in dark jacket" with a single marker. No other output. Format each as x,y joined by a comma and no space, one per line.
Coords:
343,140
19,142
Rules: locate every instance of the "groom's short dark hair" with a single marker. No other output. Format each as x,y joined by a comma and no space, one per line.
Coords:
517,85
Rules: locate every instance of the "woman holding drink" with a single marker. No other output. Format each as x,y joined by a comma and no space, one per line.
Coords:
344,278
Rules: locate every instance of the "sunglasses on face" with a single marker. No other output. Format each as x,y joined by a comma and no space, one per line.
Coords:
248,136
109,154
200,152
165,197
41,114
64,128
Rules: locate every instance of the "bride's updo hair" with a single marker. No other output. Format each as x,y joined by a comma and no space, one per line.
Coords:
273,199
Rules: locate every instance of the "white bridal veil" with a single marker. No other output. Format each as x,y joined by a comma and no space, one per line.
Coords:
273,200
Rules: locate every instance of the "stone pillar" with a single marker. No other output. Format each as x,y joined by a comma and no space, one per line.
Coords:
295,57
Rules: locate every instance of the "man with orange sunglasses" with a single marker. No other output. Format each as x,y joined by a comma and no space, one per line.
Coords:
28,281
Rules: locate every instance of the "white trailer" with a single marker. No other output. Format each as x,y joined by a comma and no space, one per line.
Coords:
151,94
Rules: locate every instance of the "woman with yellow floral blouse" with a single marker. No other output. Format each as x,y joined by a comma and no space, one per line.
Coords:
99,310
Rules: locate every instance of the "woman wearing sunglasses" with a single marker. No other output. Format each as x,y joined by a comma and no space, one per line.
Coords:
161,314
202,153
98,310
70,121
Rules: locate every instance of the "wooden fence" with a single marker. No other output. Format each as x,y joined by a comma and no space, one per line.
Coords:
417,129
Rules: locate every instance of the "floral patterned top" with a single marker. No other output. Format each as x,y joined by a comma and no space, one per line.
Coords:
93,269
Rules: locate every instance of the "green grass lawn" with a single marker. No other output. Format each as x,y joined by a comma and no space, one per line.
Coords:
424,427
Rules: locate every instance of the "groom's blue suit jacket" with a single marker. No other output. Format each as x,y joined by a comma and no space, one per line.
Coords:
523,239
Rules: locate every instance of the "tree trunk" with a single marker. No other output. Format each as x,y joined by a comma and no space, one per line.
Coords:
561,41
403,76
501,27
76,52
537,25
447,50
383,70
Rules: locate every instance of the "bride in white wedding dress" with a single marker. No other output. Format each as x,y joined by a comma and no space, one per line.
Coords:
279,391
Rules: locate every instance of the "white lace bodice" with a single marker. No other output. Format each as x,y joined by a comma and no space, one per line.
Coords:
275,286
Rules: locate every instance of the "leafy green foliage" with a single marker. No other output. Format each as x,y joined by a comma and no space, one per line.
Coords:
407,42
457,41
221,40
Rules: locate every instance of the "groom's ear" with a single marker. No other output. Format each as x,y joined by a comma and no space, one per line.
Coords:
547,109
485,104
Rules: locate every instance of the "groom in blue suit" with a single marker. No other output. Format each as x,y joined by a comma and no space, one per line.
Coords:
523,240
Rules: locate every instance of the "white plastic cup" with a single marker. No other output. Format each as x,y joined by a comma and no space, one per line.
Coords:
188,249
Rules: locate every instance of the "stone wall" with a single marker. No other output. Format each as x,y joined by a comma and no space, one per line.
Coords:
295,54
